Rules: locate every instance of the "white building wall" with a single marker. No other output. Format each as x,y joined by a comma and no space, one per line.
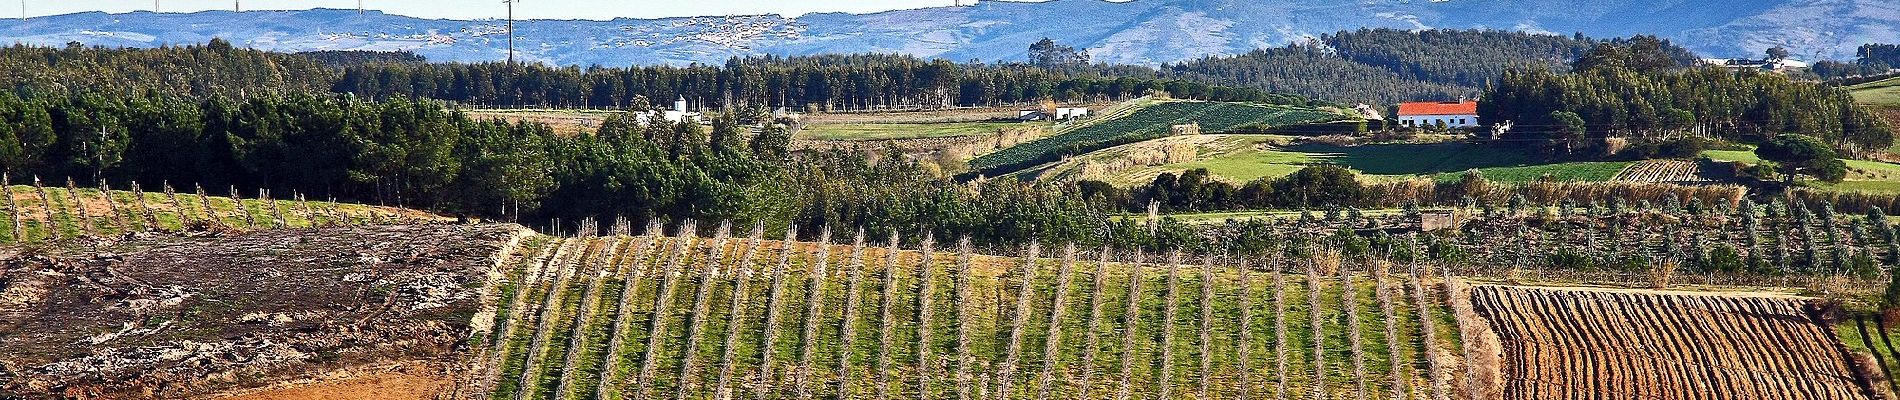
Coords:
1451,121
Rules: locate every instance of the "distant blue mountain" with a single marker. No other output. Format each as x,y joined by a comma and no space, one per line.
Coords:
1136,32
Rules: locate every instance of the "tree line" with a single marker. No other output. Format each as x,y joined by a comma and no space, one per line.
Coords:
1368,65
1386,66
1871,60
425,154
1575,111
816,83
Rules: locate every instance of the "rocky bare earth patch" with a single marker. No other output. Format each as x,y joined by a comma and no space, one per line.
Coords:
175,316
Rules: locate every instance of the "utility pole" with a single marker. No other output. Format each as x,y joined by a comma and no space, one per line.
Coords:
359,7
511,31
237,6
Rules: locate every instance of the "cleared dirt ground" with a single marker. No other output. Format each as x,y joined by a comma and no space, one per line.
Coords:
180,315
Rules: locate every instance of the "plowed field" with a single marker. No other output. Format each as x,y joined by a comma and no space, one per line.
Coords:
1601,344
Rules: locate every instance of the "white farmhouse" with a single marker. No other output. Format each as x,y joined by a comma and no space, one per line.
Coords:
1065,113
675,115
1056,114
1452,114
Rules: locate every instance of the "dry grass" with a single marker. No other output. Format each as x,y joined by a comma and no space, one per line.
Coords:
1484,378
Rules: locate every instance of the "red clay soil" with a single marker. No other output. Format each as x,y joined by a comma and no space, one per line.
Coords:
400,384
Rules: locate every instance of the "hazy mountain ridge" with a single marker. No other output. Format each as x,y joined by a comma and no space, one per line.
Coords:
1136,32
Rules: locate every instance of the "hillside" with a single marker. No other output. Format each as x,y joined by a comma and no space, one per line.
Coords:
1137,32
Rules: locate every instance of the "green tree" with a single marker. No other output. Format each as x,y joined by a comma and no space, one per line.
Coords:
1803,154
1570,130
12,154
1777,53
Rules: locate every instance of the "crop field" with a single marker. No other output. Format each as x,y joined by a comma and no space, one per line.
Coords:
641,317
1862,175
1884,93
1582,343
1661,171
1243,158
567,123
887,131
47,213
1146,123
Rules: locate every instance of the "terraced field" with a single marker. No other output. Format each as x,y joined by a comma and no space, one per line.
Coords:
1146,123
1583,343
1661,171
727,317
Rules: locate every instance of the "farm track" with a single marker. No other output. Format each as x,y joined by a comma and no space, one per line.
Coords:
1564,344
742,322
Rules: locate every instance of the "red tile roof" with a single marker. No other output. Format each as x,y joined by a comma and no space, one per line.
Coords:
1439,108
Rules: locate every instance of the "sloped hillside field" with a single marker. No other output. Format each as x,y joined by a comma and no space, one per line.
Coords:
685,317
1146,123
1583,343
176,316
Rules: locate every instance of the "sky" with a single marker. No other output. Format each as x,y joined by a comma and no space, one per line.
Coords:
475,9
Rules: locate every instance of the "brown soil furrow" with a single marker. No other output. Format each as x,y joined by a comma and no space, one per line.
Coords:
1591,344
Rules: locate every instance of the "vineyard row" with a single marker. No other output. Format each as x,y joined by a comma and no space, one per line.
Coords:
738,317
